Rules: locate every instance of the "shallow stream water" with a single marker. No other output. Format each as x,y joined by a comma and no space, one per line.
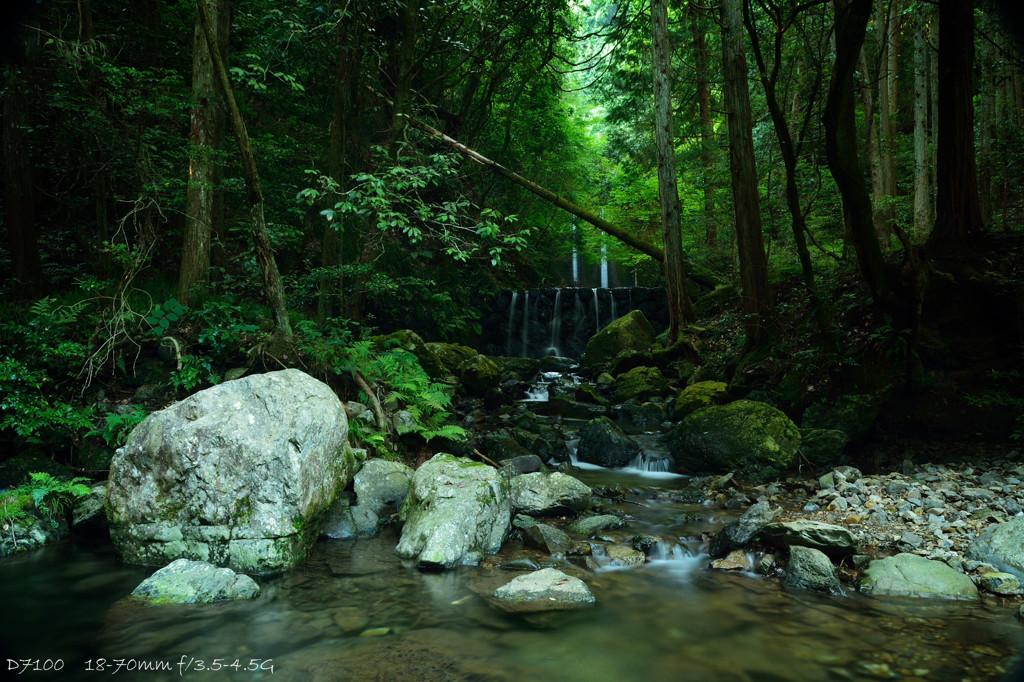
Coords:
354,611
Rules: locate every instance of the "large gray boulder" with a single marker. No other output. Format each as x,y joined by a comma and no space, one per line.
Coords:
545,590
810,569
380,489
538,494
194,582
737,534
829,538
602,442
910,575
1002,546
239,475
755,440
456,512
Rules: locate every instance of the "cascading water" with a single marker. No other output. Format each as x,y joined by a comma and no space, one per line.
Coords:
526,325
604,266
556,325
511,320
597,313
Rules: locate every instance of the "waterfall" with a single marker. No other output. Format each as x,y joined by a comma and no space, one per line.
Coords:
597,313
526,326
556,324
575,257
511,326
604,266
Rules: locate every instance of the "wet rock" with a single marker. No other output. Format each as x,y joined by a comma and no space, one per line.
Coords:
647,416
831,539
742,531
910,575
547,539
557,363
640,384
753,439
194,582
88,516
572,409
736,560
594,524
380,489
478,374
545,590
450,355
544,495
632,331
1002,546
456,512
587,393
622,556
239,475
645,543
839,475
524,464
810,569
31,532
997,582
602,442
698,395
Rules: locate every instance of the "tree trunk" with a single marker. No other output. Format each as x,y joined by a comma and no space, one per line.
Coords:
680,309
873,145
957,213
273,287
986,96
922,193
887,71
707,131
933,70
205,126
749,241
841,147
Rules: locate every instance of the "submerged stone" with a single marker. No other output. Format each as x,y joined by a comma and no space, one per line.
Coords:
810,569
545,590
194,582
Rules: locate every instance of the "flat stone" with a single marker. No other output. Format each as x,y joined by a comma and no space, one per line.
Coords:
736,560
826,537
909,575
594,524
545,590
194,582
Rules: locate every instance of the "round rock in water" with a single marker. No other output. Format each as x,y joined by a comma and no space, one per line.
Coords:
545,590
910,575
194,582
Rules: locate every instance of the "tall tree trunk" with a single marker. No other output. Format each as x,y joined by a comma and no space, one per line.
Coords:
933,70
206,122
887,70
756,303
986,96
273,287
680,308
922,194
19,189
841,147
788,149
707,131
957,213
873,142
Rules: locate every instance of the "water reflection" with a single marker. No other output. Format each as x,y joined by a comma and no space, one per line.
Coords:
354,611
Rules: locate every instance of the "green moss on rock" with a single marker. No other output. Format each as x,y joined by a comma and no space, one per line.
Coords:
632,331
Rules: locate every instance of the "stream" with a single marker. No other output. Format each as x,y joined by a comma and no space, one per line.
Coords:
354,611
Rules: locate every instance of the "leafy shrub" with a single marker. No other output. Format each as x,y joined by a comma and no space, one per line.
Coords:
50,496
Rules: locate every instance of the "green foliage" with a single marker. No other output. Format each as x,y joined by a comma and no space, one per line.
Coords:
895,343
164,315
25,408
195,371
50,496
117,426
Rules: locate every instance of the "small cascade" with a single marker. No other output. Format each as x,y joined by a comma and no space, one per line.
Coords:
556,325
511,321
604,266
597,313
526,326
660,467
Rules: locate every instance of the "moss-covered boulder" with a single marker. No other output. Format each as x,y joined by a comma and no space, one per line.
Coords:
755,440
451,355
640,384
457,511
478,374
698,395
411,341
587,393
632,331
522,369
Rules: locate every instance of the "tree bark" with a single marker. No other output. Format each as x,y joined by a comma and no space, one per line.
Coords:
873,144
986,97
887,71
680,309
841,148
273,287
957,211
707,131
922,190
756,303
206,121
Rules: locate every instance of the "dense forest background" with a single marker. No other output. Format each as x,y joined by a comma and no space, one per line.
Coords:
195,190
